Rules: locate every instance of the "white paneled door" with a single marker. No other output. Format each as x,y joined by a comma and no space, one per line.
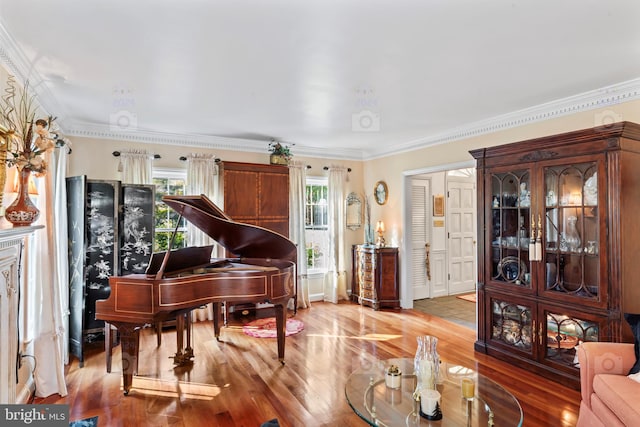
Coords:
461,227
420,236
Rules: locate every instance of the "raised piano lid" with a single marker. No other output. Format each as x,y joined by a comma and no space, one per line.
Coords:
244,240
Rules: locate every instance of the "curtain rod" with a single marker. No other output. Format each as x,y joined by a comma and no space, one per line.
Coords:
117,154
327,168
184,159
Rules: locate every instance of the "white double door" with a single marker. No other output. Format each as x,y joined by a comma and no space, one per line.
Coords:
443,249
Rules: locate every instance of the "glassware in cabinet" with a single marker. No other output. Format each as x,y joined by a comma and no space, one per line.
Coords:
564,331
510,229
511,324
571,263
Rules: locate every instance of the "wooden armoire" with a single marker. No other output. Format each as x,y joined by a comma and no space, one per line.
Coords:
255,194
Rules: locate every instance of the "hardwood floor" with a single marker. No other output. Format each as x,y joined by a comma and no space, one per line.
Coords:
239,381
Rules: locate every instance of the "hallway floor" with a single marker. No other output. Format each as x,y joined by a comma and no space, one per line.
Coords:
451,308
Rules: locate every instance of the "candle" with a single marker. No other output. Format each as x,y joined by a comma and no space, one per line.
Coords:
468,388
393,377
429,402
427,374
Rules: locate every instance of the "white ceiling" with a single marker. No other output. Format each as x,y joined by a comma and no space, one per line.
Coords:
234,74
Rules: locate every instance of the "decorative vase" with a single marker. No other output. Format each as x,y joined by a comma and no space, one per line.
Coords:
22,211
368,234
571,236
278,159
3,172
427,363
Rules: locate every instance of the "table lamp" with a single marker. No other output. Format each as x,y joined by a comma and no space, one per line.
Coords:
380,229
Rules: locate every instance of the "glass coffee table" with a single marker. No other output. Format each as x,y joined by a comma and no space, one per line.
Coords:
380,405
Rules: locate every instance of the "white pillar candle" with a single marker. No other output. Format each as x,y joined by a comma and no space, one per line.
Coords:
429,400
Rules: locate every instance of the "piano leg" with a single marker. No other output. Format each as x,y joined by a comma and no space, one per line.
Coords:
183,355
130,345
177,358
216,320
189,349
280,329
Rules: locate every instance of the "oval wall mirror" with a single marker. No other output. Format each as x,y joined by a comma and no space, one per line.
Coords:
381,192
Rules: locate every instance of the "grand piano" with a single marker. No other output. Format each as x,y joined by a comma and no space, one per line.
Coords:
178,281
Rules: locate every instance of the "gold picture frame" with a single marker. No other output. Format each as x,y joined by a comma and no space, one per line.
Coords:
438,205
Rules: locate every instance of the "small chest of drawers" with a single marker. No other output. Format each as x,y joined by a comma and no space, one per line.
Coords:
375,280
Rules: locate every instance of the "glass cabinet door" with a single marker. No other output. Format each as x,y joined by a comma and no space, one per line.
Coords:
512,325
563,332
510,228
571,241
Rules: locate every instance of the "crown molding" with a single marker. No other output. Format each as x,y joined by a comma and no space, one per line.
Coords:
23,70
98,131
12,57
591,100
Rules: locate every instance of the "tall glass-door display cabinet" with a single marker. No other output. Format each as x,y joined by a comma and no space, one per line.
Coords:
559,231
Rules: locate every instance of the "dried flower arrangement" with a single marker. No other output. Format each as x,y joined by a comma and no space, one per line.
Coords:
27,139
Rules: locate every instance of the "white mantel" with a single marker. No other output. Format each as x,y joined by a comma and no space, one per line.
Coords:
12,244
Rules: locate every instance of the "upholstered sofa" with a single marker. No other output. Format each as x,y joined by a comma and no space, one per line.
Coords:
609,397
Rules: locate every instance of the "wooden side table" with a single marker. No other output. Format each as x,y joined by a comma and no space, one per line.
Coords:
376,276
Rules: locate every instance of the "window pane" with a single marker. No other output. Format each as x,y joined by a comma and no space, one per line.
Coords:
316,235
167,218
307,216
316,206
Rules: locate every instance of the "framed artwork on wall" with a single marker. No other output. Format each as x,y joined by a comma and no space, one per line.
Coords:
438,205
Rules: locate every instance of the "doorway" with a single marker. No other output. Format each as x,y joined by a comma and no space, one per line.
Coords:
461,231
451,308
448,265
420,238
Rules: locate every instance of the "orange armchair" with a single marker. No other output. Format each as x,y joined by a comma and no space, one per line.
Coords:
609,397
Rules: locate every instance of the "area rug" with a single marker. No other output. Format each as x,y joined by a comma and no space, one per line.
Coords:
266,328
468,297
87,422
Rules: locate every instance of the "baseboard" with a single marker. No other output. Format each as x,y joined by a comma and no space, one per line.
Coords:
320,297
316,297
26,387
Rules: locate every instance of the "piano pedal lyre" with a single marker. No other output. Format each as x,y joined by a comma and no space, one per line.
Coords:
183,354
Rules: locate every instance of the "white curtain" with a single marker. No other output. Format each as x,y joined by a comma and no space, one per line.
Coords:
202,178
335,280
46,296
137,167
297,186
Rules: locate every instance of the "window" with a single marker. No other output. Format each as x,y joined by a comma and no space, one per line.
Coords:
316,204
172,183
316,224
